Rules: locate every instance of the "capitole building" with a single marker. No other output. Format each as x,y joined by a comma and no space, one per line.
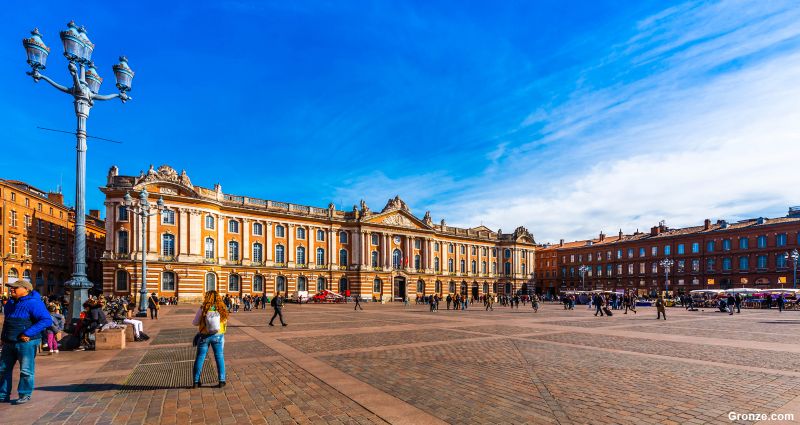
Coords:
207,239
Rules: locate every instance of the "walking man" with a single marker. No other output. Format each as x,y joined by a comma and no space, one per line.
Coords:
26,317
277,305
152,305
660,308
598,304
358,304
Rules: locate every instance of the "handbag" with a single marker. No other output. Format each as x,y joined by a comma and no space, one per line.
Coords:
196,339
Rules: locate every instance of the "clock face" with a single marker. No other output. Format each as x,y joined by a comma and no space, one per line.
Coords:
397,239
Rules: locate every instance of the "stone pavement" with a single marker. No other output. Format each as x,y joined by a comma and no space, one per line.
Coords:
398,364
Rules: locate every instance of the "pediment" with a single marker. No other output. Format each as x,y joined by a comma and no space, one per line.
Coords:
167,181
398,218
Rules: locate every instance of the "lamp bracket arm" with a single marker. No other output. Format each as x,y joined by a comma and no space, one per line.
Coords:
122,96
37,76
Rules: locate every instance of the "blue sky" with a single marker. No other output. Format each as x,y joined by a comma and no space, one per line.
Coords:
567,118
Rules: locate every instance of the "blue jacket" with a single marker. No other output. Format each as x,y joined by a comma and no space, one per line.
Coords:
26,315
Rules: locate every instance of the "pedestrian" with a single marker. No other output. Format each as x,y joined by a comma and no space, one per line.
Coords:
211,319
449,299
731,301
660,308
781,302
737,301
54,329
26,317
357,299
597,300
277,305
535,303
153,306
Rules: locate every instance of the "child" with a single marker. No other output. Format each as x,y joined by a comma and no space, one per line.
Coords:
54,329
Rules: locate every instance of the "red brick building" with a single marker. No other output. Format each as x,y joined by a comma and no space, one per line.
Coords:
747,253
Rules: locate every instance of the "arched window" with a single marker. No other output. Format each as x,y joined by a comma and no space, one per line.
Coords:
377,285
494,288
421,286
233,251
494,267
258,283
342,237
508,288
599,270
279,231
233,283
301,233
320,256
320,284
320,235
279,256
417,262
452,287
280,284
258,229
343,257
27,275
450,266
507,253
168,281
374,258
211,282
258,252
168,245
474,267
483,266
462,266
300,255
507,268
436,264
438,287
210,222
233,226
397,258
342,284
450,248
122,280
302,284
485,288
122,242
13,275
209,251
436,246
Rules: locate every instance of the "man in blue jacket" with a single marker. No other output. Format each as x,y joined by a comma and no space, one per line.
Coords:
26,317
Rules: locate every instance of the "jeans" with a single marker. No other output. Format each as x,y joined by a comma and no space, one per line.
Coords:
25,354
217,343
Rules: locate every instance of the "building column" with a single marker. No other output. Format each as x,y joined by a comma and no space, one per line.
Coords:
331,248
220,238
311,257
152,234
246,251
195,230
468,265
269,247
367,249
111,234
355,246
290,229
183,231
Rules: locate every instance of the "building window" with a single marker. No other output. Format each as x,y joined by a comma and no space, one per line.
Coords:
494,267
450,266
376,285
122,280
280,284
494,252
420,287
450,248
122,213
374,260
258,283
474,267
343,257
462,266
762,241
438,287
13,218
343,285
653,251
211,282
397,258
726,264
436,264
168,245
695,247
744,243
210,224
507,253
695,265
667,249
258,252
744,263
233,226
780,261
726,244
300,257
710,246
507,268
302,284
483,267
641,252
654,268
209,248
374,237
710,264
258,229
417,243
233,251
320,256
320,235
122,242
780,239
436,246
608,270
279,231
301,233
279,254
168,281
452,287
463,250
168,217
681,266
761,262
630,252
681,249
320,284
233,283
342,237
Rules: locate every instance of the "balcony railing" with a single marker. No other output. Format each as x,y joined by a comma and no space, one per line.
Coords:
321,266
209,260
342,267
301,266
279,265
166,258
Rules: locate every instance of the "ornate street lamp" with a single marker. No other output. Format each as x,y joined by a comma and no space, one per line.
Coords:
85,86
143,210
666,264
583,269
794,256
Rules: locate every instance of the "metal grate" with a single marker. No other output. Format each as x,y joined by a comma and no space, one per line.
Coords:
174,336
167,368
168,355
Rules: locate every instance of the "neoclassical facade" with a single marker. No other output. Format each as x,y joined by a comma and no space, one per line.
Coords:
236,244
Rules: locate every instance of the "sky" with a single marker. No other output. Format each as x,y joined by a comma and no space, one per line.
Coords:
568,118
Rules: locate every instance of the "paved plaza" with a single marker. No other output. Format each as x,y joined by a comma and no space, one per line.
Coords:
396,364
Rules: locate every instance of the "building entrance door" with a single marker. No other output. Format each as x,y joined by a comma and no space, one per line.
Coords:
474,290
399,292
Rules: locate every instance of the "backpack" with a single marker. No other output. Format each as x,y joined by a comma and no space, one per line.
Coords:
212,322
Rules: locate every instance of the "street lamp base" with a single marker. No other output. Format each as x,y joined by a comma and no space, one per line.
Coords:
141,314
79,292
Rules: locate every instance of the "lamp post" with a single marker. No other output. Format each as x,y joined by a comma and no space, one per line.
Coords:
143,210
666,264
582,270
84,91
794,256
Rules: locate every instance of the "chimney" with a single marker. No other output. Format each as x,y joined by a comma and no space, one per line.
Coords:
707,224
94,214
620,234
655,230
602,236
561,243
58,198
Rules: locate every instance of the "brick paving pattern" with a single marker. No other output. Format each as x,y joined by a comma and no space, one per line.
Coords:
473,366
